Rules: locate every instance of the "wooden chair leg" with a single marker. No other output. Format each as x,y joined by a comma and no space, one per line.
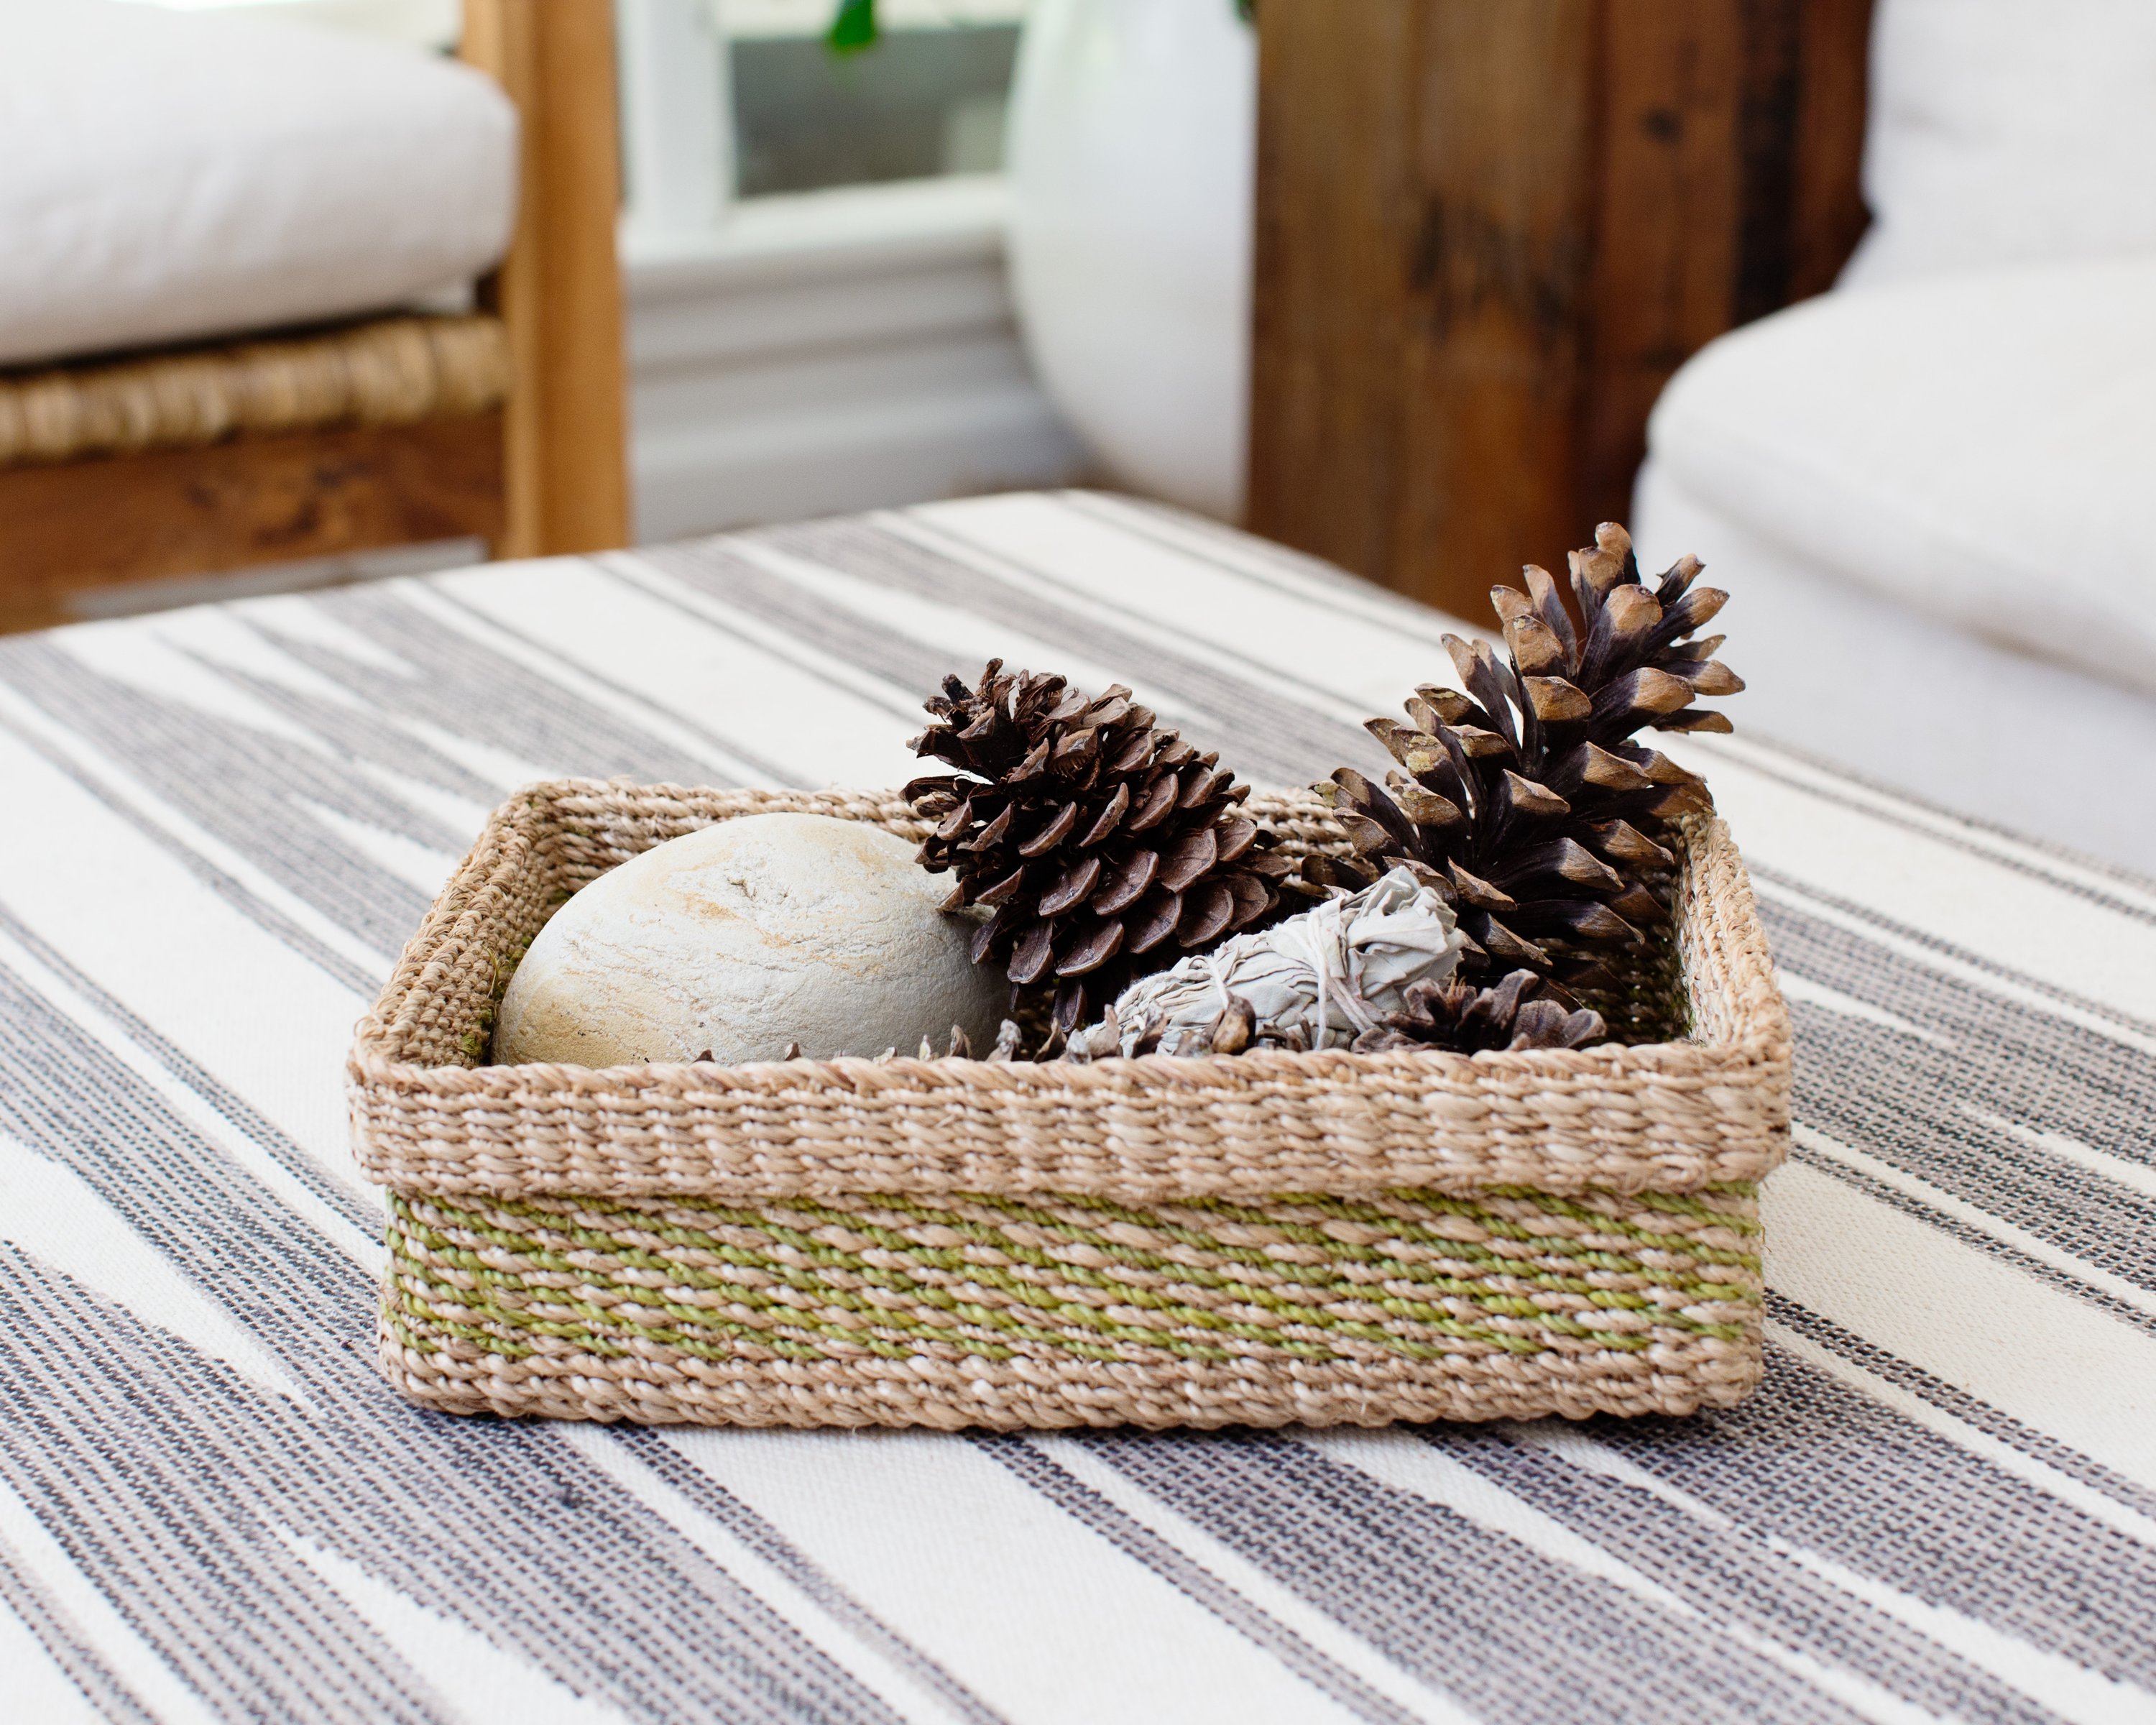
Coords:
558,291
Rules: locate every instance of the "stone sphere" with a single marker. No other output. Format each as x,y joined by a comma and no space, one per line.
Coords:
742,937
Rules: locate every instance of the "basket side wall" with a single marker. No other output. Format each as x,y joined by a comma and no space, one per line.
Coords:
881,1311
1672,1116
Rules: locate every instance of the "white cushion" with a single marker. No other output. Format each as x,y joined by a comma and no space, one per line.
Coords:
1849,676
167,174
1980,448
2009,131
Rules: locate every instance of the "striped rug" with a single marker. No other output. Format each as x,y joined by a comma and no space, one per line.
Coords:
223,823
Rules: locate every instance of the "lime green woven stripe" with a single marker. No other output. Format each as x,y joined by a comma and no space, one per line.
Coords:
802,1213
641,1315
1480,1210
642,1309
909,1281
607,1331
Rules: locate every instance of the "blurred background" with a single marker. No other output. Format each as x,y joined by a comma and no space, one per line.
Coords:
1853,298
813,253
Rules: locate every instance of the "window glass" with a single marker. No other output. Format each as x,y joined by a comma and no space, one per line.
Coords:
927,100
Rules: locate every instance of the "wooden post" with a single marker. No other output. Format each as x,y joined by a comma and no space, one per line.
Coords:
558,291
1487,232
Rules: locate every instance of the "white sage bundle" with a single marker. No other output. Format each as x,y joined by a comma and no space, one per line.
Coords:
1317,980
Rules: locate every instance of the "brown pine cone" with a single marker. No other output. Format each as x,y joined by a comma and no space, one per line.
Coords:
1523,1011
1524,799
1105,846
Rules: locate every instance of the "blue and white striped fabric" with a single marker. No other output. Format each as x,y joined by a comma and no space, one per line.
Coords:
220,825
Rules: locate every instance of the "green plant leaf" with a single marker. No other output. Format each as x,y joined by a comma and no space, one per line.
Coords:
854,27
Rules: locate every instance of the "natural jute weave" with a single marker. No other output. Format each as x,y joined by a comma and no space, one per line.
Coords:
390,372
1325,1237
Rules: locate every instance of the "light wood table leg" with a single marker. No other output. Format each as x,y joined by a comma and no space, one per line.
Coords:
559,290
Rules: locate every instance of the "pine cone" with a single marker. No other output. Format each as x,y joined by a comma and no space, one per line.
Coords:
1521,1012
1106,847
1523,800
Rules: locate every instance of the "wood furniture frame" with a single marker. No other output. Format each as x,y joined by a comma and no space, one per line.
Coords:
545,471
1487,232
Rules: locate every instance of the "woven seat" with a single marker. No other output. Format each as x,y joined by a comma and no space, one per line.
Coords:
395,371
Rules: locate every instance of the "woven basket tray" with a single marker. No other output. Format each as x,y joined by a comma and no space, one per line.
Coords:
1260,1238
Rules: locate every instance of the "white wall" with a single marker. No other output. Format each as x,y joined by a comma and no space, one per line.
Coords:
836,350
812,354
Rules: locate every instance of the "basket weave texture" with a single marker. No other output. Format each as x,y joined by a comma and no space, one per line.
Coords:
392,371
1325,1237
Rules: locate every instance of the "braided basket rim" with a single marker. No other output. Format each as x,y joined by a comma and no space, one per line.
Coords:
1670,1116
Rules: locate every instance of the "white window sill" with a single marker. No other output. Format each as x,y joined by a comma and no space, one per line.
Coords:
831,350
848,231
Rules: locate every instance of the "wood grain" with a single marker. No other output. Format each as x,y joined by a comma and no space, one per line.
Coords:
1487,232
230,505
1670,225
558,290
1334,165
1497,273
1827,213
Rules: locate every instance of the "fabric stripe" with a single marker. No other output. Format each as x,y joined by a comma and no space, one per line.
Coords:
231,1617
2031,1343
1732,1574
1029,1607
204,1449
2054,1457
1512,1634
2112,885
358,971
756,1533
55,1639
1814,1151
1281,739
1901,1505
227,821
1030,1461
192,1080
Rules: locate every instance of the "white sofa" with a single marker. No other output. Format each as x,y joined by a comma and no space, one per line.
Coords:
1933,491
